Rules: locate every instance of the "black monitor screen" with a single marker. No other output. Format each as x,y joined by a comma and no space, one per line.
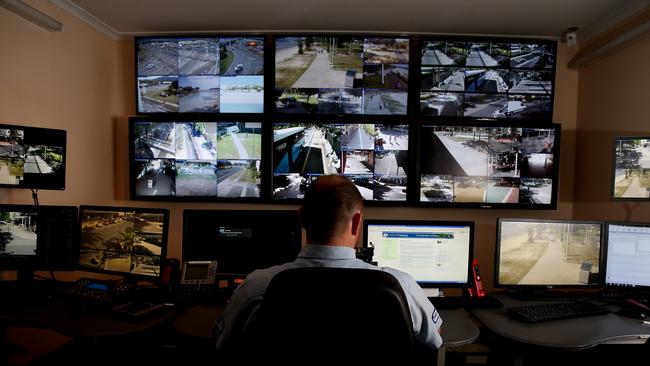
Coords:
123,240
341,75
631,168
627,261
486,166
241,241
547,253
32,157
200,74
487,79
195,160
37,237
434,253
373,156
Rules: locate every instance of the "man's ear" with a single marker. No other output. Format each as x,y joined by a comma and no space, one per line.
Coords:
357,219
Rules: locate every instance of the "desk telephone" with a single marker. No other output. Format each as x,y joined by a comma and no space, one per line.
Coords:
95,290
198,281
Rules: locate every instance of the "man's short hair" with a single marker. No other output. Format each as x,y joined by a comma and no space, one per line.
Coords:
329,204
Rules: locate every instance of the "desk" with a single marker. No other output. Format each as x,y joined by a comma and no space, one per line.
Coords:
457,328
567,334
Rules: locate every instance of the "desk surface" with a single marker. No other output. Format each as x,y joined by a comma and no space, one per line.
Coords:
576,333
196,321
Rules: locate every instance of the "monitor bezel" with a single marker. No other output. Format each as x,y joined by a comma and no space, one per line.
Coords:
271,67
497,247
267,48
440,223
490,124
185,119
231,214
347,120
605,255
613,179
57,182
128,276
459,38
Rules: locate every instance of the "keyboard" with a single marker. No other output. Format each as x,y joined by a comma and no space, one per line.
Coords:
556,310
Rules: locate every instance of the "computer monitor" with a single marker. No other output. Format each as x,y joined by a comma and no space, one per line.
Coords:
372,155
436,253
32,157
627,258
37,238
631,176
547,253
341,75
126,241
241,241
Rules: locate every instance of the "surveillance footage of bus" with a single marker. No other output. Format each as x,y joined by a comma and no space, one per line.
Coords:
341,75
197,159
200,75
491,165
486,79
122,241
373,156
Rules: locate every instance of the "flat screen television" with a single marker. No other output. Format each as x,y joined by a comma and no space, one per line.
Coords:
190,160
32,157
489,165
342,75
241,241
487,78
631,176
203,74
37,237
627,258
548,253
435,253
373,155
126,241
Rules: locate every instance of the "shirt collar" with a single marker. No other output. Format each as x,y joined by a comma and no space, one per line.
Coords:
327,252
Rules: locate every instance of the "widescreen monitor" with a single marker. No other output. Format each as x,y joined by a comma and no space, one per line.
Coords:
483,78
489,165
241,241
627,258
434,253
548,253
127,241
191,160
631,177
373,155
341,75
37,237
209,74
32,157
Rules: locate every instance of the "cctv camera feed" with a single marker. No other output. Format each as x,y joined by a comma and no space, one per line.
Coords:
200,75
197,159
122,241
487,79
341,75
487,165
32,157
373,156
632,168
548,253
18,233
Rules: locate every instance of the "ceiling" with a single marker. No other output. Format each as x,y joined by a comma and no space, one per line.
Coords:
534,18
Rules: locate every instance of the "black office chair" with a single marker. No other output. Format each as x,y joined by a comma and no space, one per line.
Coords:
332,315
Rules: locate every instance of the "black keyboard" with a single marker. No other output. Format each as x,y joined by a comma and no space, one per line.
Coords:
556,310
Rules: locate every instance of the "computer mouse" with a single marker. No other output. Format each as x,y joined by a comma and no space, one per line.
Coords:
633,313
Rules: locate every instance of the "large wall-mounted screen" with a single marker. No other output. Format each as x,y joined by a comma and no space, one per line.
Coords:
341,75
200,74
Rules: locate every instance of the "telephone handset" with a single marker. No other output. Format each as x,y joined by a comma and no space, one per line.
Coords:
477,285
197,281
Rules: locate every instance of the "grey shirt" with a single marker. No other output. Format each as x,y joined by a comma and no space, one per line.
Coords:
426,321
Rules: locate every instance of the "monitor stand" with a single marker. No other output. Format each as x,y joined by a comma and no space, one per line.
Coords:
540,294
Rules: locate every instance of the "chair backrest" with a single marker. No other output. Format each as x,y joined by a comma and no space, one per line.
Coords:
332,315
